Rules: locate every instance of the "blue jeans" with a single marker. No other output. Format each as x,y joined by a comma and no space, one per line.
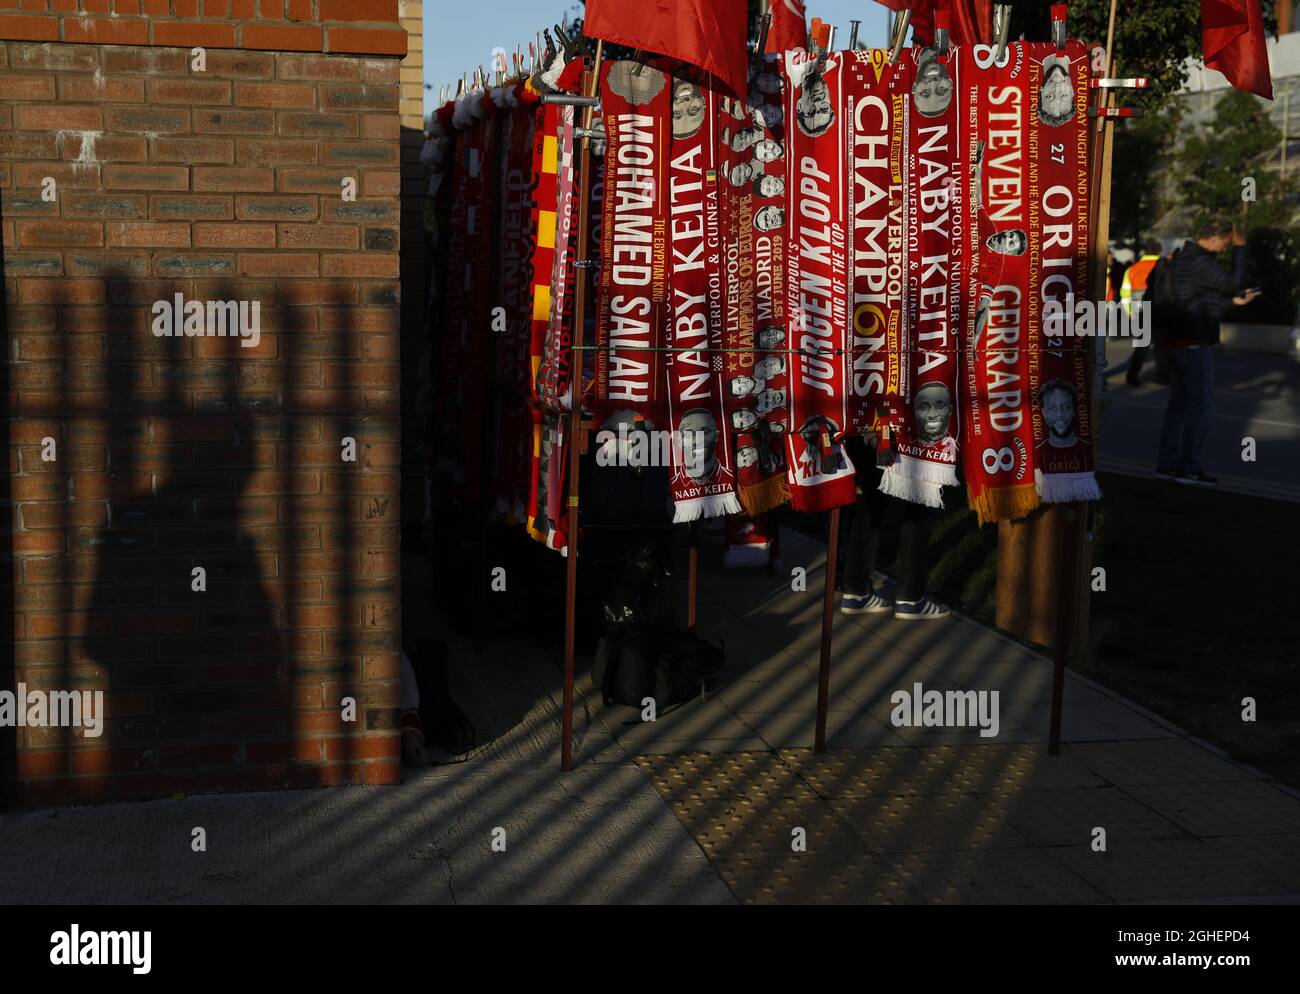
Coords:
1191,406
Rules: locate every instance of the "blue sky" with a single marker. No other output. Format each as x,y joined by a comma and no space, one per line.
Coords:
461,34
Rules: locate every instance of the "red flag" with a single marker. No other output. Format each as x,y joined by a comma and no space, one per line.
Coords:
789,26
1232,37
970,22
711,34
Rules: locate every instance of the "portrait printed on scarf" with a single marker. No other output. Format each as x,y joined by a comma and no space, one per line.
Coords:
688,108
932,91
699,434
1013,241
813,109
1056,402
1056,104
818,435
932,411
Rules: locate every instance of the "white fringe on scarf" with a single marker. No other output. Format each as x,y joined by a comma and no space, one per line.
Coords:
917,480
1062,488
714,506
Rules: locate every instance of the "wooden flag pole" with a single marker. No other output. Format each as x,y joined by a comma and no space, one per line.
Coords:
828,618
591,81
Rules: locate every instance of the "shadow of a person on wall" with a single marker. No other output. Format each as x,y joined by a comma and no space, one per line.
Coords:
194,655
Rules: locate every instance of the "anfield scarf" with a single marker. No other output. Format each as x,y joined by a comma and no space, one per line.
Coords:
1058,265
926,448
636,104
703,476
752,185
875,121
820,473
997,430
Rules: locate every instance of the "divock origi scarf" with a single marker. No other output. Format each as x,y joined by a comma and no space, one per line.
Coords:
752,185
925,411
1058,193
632,314
703,474
820,473
997,438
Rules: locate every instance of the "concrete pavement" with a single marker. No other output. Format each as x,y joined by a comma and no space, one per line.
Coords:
703,805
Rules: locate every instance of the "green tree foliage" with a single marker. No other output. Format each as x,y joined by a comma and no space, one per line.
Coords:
1225,167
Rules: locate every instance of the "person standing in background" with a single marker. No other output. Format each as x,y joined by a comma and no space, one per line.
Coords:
1132,291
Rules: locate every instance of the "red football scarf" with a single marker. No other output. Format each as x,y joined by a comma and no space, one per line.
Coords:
926,446
749,541
1058,267
636,104
703,480
997,430
546,122
553,378
820,473
875,124
752,183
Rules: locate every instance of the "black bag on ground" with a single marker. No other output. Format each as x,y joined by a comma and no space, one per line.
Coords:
443,720
634,662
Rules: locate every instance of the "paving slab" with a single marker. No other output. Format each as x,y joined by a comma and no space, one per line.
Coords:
1063,817
1165,870
1277,856
1234,807
803,878
993,876
918,822
1132,764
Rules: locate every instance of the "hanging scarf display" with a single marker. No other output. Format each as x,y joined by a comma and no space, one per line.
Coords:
1058,270
632,314
752,186
875,122
997,431
703,473
925,458
553,377
819,471
546,124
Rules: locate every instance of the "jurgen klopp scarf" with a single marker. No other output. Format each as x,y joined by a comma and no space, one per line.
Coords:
1058,264
820,473
752,184
703,480
997,431
926,446
636,104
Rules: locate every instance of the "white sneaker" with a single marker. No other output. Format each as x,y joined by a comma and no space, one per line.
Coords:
926,609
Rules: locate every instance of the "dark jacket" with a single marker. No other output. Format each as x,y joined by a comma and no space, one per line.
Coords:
1201,286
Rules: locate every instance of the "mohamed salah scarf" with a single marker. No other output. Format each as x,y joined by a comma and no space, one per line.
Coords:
632,312
703,474
1058,191
817,299
752,187
925,412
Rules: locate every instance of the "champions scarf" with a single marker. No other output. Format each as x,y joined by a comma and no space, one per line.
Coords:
875,121
1058,265
997,430
632,309
752,187
820,473
703,477
926,447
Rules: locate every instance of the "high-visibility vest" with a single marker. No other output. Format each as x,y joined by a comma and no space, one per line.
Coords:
1134,286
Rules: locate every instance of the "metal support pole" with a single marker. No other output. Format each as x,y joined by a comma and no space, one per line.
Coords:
828,617
692,580
1067,599
591,80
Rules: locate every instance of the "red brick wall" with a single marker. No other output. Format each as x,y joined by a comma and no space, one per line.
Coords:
177,452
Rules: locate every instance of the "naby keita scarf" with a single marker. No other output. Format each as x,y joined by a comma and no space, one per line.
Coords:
1058,268
703,476
926,446
820,473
